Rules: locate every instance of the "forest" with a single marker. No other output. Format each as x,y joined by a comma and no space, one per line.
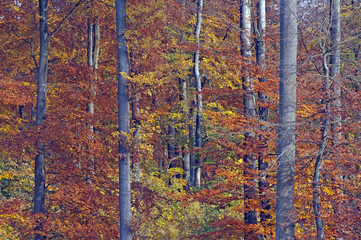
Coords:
180,119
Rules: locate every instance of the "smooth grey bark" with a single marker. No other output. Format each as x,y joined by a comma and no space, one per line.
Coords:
93,51
184,106
198,132
335,32
262,111
287,117
250,186
39,191
123,117
93,56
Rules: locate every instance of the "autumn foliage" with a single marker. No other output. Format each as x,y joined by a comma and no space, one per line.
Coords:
81,199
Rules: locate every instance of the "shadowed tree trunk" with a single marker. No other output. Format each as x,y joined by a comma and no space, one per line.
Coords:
42,71
287,118
250,186
263,111
123,116
39,193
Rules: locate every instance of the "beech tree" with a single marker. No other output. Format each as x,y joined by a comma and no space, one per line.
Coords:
250,186
42,71
335,34
287,121
198,130
260,32
39,193
161,44
123,116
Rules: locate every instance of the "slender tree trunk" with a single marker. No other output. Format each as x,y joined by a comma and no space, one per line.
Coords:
263,111
321,153
93,56
335,32
123,116
39,193
191,142
185,150
93,63
250,186
198,133
287,118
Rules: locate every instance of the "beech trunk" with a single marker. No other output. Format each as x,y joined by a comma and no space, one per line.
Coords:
123,117
287,118
39,192
250,186
198,132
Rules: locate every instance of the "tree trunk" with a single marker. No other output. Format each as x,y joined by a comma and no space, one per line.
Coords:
198,133
321,153
185,150
287,118
335,32
263,111
123,116
93,56
250,186
39,192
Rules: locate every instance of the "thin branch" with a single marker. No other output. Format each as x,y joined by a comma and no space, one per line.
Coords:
170,161
66,18
29,42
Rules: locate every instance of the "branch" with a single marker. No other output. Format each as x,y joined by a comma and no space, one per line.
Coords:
172,161
30,42
66,18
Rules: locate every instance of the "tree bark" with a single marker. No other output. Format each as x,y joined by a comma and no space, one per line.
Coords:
198,132
287,118
123,116
262,111
39,192
185,150
335,32
250,186
93,56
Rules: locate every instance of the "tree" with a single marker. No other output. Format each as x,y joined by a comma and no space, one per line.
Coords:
250,188
39,193
287,120
260,33
335,34
197,76
123,116
42,70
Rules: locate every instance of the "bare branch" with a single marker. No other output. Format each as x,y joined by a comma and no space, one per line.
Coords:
66,18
